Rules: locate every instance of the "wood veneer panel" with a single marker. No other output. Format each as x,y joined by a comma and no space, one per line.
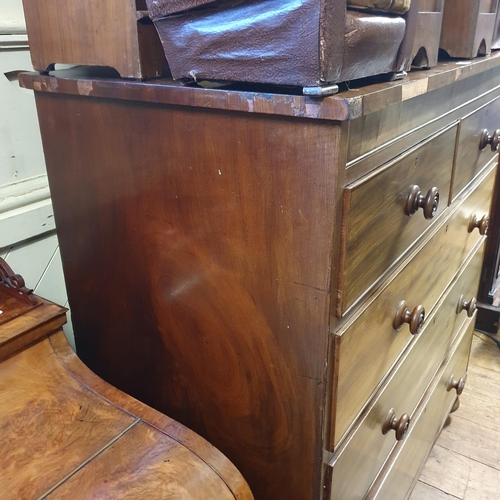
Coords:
142,464
375,206
417,283
49,423
185,268
399,474
171,428
347,105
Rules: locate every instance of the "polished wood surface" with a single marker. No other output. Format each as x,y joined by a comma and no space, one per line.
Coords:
96,33
346,105
17,328
61,437
398,476
375,205
471,158
226,240
417,283
200,232
361,458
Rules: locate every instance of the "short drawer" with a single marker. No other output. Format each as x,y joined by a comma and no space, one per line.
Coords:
473,153
381,215
398,476
359,461
368,345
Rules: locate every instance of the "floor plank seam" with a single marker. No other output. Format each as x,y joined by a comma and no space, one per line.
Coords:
469,458
439,489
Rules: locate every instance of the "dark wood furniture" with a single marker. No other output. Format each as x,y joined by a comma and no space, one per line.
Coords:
424,25
114,33
292,278
65,433
312,44
468,27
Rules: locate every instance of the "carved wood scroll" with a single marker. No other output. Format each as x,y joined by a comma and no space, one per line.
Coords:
13,284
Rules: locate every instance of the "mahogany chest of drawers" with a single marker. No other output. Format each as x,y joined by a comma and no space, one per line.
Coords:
292,278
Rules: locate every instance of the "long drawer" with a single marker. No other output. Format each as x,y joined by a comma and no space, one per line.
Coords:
401,471
364,452
368,345
473,153
381,217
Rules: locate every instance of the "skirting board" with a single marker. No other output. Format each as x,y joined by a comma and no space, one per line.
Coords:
25,210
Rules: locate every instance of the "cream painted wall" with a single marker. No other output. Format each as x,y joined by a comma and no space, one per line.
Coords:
28,239
12,17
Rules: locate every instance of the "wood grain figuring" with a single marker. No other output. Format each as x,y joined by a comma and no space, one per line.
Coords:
144,463
398,476
376,205
417,283
59,422
218,236
452,472
358,463
178,432
49,424
347,105
200,234
470,158
94,33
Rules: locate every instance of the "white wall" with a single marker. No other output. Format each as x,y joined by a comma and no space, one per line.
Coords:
28,240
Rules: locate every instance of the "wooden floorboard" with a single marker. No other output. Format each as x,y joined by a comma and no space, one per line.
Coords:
465,461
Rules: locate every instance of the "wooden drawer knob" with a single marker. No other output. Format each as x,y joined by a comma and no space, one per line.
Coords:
492,139
470,306
399,425
458,385
482,224
414,318
417,200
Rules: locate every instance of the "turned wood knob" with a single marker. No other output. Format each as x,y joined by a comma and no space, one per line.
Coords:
428,203
399,425
458,385
414,318
470,306
492,139
456,406
482,224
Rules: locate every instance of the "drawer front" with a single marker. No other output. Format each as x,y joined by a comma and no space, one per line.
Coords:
471,157
399,475
368,345
377,229
363,456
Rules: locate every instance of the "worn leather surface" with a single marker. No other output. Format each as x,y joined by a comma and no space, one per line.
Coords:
270,41
285,42
394,6
371,45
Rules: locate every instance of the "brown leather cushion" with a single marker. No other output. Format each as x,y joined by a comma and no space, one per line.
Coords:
394,6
